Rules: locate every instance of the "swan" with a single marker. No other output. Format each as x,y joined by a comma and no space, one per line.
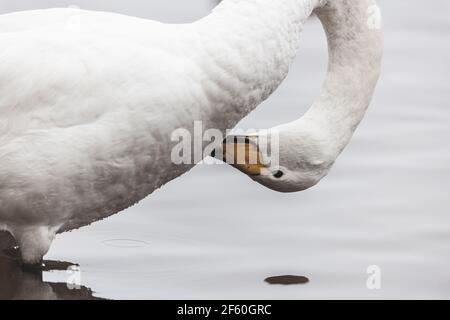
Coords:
88,102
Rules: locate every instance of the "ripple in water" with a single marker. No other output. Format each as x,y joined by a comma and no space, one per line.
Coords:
125,243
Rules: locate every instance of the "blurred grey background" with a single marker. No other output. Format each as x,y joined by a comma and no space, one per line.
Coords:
213,233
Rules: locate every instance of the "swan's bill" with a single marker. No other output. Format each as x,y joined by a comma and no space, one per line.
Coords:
243,153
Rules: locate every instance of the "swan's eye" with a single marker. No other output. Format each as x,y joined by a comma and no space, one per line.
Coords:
278,174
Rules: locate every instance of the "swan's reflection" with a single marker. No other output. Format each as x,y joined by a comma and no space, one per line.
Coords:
19,284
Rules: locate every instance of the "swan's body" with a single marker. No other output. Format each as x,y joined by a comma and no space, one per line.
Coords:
88,102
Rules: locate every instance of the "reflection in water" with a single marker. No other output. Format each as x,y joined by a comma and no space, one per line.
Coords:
18,284
287,279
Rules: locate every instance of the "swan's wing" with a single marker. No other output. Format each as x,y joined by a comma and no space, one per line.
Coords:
58,75
26,20
68,17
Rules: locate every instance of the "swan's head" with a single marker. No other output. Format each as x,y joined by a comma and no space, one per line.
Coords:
284,159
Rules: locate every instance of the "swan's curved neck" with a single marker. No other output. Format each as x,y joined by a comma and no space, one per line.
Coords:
308,147
249,47
354,35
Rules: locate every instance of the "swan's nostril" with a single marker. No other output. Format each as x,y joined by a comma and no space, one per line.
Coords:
278,174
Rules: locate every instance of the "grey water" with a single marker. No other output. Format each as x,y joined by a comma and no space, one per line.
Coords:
215,234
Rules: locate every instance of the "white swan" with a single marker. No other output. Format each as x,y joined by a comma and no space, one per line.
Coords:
88,101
